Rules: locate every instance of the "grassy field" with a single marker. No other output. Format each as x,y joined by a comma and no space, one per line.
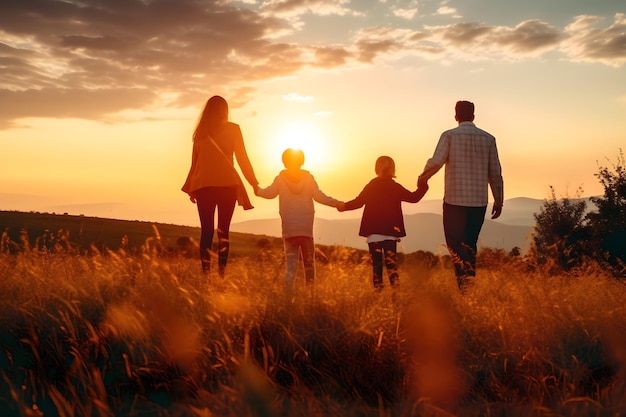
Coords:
111,333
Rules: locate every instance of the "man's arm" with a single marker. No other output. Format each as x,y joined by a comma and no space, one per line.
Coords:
435,163
496,182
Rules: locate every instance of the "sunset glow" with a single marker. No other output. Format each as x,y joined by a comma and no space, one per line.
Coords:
98,103
304,136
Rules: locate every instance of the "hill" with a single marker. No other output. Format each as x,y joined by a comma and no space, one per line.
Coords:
83,232
424,225
518,211
424,232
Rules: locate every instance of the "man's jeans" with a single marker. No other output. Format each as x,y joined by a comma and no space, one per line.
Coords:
462,226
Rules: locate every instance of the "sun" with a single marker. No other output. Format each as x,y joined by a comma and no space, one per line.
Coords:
302,135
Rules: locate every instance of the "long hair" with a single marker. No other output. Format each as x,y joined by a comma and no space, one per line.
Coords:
214,114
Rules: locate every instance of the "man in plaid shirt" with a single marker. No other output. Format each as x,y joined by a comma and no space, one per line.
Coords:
472,165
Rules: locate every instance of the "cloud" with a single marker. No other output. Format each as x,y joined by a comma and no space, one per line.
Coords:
54,50
70,103
473,41
292,12
96,59
300,7
407,14
531,37
375,42
330,56
446,10
298,98
528,38
582,40
588,43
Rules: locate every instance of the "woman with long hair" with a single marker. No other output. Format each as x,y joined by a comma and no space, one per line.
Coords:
213,182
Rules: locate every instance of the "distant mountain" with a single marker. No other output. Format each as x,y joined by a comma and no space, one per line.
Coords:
517,211
520,211
423,221
424,227
424,232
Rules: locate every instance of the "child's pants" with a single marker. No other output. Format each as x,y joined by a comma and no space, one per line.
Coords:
384,252
294,246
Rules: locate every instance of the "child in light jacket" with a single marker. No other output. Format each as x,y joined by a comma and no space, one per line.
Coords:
296,190
382,222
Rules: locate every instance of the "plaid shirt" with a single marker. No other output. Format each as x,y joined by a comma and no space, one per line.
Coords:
471,159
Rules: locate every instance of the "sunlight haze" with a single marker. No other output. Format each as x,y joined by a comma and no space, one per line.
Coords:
98,103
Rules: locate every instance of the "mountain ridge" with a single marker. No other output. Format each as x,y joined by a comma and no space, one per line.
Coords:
424,232
424,226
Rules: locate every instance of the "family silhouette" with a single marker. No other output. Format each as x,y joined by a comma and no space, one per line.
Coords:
472,166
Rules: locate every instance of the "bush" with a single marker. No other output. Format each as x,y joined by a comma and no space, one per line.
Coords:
561,234
608,223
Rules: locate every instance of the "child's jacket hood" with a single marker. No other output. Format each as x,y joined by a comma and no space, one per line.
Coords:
295,179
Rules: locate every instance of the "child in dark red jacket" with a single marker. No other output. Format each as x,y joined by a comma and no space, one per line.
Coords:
382,222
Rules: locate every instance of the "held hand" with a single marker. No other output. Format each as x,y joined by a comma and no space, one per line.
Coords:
256,189
192,198
496,212
421,191
422,182
341,206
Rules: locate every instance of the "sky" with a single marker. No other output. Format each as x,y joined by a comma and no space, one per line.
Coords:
99,98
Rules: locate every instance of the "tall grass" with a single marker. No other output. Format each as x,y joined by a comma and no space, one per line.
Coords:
113,334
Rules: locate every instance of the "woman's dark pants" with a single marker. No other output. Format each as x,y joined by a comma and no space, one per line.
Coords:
210,199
